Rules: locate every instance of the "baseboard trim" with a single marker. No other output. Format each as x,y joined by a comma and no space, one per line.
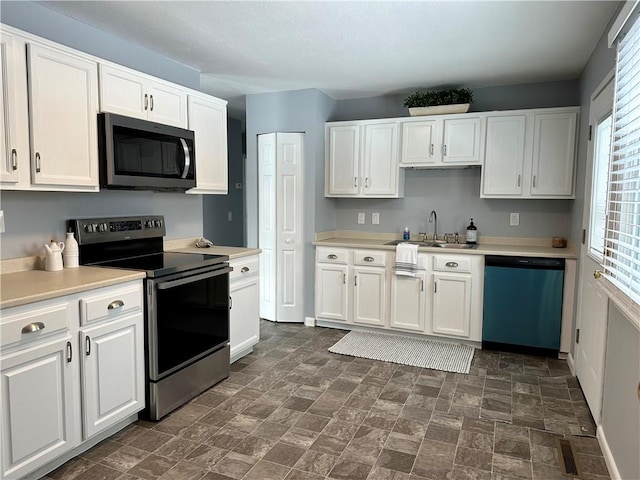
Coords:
608,456
309,322
571,363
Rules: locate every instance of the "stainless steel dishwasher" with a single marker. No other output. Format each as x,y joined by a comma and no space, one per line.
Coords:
523,304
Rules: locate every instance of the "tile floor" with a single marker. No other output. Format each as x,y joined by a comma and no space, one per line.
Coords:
294,411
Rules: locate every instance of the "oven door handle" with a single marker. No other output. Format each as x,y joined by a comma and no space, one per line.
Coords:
194,278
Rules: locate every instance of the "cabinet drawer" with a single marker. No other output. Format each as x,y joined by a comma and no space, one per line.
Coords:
244,267
452,263
111,303
332,255
373,258
34,323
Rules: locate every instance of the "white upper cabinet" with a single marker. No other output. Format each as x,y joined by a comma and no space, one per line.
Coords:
530,154
127,92
208,119
442,141
362,160
50,103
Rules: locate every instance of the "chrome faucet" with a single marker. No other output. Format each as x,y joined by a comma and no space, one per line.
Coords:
433,218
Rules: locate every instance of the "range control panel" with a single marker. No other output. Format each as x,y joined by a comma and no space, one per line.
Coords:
100,230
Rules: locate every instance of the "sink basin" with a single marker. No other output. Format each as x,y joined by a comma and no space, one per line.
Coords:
458,246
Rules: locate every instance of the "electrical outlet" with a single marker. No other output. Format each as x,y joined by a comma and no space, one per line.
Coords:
360,218
229,216
514,219
1,221
238,186
375,218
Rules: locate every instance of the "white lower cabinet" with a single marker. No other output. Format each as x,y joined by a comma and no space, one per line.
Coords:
56,384
359,287
244,318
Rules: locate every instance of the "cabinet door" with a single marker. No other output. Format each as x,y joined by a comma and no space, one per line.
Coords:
462,139
63,93
554,144
244,328
112,372
343,153
208,119
380,160
408,296
8,165
418,143
39,406
504,155
168,105
369,292
332,295
451,305
123,92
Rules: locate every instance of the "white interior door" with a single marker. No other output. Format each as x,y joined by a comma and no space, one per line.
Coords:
592,302
267,223
289,224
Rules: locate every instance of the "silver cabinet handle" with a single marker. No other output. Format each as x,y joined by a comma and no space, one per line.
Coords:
435,287
366,182
14,159
244,269
534,181
344,278
444,150
451,264
355,182
431,150
146,101
151,102
421,285
355,280
332,256
33,327
69,352
38,162
369,259
230,302
187,158
115,304
87,345
519,176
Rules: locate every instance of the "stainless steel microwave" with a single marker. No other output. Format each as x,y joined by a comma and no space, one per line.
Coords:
141,155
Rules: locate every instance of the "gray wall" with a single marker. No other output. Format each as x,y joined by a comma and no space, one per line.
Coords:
32,218
297,111
39,20
620,412
216,224
455,193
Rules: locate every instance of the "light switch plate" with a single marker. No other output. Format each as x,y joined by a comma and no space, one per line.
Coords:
238,186
360,218
514,219
1,221
375,218
229,216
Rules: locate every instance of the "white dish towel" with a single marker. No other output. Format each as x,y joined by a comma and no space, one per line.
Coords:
406,259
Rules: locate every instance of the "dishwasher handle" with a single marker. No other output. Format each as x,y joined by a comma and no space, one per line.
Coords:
536,263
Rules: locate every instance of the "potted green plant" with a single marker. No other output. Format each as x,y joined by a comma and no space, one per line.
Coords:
452,100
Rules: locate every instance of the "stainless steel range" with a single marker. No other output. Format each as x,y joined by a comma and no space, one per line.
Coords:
187,305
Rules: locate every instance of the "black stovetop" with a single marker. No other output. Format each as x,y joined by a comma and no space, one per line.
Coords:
165,263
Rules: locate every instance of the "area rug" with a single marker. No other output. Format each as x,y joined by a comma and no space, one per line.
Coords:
448,357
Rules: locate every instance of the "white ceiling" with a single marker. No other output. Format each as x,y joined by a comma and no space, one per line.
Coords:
357,49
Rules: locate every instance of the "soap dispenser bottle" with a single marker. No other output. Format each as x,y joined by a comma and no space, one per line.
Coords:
406,234
472,233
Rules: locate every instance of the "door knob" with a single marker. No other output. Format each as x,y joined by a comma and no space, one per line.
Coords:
597,274
288,240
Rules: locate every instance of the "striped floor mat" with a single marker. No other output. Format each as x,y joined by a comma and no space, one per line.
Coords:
448,357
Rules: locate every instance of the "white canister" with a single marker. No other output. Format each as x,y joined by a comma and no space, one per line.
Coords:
71,253
53,259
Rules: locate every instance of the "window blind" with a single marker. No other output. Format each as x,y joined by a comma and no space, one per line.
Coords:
622,256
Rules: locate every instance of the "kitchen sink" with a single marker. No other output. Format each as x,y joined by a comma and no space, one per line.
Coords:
458,246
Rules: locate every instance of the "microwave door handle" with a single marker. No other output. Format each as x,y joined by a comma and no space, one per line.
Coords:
194,278
187,158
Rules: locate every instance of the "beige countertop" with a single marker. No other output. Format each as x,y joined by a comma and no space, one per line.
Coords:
509,247
233,252
20,288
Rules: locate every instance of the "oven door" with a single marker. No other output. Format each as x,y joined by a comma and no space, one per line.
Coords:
187,318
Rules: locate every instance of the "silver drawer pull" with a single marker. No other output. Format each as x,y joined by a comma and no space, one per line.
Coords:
369,259
33,327
451,264
332,256
115,304
244,269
